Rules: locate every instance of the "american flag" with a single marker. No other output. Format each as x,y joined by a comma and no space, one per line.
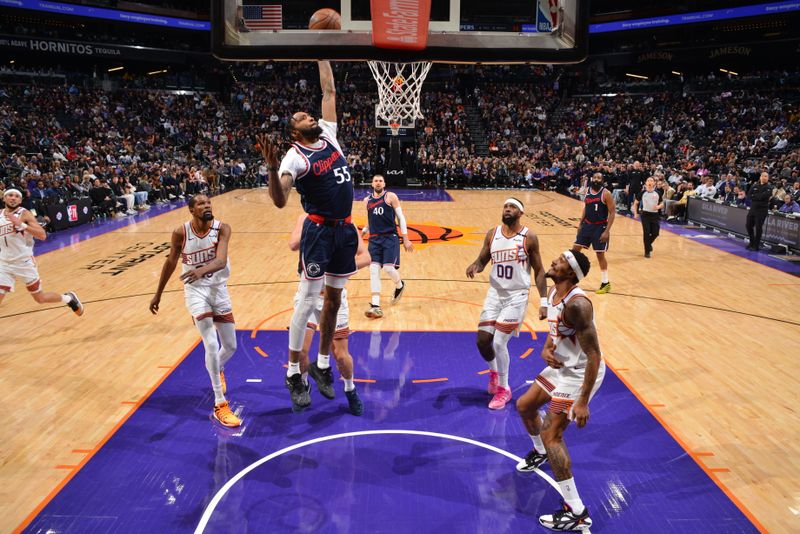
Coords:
268,17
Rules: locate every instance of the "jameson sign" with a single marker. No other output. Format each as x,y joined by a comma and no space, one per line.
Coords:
10,43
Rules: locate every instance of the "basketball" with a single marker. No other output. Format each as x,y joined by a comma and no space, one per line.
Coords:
325,19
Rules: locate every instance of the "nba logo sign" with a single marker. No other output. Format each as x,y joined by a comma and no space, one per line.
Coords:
547,15
72,212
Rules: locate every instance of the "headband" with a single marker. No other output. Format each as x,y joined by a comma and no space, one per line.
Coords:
514,202
574,264
12,190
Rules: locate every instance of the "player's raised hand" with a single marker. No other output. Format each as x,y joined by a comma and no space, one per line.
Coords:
269,150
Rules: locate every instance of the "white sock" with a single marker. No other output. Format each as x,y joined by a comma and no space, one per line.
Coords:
501,356
537,444
399,284
349,385
375,300
571,497
323,361
394,275
493,365
304,376
604,277
294,369
66,298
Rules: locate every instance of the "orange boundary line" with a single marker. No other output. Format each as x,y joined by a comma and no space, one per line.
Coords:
526,354
261,352
720,470
66,466
426,380
483,372
81,451
75,469
165,367
657,405
132,403
364,380
704,454
710,472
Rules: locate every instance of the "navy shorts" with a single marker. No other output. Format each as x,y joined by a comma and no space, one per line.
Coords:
385,249
590,234
328,249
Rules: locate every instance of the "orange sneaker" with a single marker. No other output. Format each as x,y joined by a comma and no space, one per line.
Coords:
224,384
223,414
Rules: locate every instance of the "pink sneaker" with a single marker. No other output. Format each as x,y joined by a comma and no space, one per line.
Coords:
493,380
500,398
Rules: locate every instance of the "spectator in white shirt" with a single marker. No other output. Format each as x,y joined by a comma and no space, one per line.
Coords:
707,189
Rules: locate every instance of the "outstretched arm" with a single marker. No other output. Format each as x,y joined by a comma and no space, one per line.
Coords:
169,267
483,258
328,91
578,312
535,260
279,187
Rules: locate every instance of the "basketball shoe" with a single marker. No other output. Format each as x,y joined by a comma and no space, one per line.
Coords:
605,287
323,378
565,520
223,414
398,293
374,312
299,392
75,303
500,399
493,381
531,462
354,403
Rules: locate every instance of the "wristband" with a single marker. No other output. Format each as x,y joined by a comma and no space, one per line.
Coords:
543,302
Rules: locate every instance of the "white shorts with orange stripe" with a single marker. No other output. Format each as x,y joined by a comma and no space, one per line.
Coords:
25,269
503,310
342,330
564,386
209,301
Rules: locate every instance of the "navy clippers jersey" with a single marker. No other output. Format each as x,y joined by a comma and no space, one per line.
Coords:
596,209
380,216
326,188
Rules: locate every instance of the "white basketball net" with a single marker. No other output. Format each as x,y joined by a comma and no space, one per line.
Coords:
399,87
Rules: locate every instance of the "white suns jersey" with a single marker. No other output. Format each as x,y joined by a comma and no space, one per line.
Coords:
567,348
14,246
200,250
510,267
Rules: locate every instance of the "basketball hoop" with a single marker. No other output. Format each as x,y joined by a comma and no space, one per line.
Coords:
399,88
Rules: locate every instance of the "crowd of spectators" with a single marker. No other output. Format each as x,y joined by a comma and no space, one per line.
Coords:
542,127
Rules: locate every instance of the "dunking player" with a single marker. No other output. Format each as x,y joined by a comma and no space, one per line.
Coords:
202,246
574,372
513,250
384,245
598,215
18,228
340,347
317,167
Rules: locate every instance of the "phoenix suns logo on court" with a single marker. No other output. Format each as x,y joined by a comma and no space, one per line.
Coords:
430,233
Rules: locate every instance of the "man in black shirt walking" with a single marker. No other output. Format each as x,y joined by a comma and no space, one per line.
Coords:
759,195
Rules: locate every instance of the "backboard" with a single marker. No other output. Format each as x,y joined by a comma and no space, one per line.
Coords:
460,31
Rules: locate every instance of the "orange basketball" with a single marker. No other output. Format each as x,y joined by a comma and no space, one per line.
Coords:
325,19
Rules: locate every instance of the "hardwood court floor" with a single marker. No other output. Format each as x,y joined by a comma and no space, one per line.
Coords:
702,337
